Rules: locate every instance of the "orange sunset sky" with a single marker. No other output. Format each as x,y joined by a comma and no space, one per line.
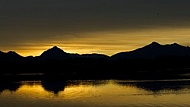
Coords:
30,27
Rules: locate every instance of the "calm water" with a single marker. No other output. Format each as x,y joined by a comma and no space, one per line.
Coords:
97,93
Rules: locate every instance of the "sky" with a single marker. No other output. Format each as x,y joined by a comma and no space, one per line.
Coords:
30,27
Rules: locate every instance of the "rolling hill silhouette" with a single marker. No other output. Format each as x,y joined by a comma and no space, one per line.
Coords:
152,59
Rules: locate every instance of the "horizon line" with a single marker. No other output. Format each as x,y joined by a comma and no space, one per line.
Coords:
53,46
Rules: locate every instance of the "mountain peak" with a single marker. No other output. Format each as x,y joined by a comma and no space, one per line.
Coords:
175,44
154,44
13,53
54,49
54,53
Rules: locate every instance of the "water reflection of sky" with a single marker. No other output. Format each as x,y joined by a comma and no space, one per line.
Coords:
93,93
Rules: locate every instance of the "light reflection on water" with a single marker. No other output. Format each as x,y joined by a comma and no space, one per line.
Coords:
74,93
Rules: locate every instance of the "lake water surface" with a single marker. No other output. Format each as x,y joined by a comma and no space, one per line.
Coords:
95,93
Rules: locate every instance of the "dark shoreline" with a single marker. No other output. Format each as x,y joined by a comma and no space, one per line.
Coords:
97,69
125,76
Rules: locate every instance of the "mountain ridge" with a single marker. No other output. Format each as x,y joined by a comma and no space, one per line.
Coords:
150,61
152,50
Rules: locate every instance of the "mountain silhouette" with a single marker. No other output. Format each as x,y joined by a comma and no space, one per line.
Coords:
154,50
59,54
151,50
150,61
54,53
10,56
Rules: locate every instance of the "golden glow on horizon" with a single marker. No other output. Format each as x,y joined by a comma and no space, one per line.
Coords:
105,42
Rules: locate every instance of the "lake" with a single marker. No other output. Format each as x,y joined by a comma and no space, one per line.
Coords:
95,93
